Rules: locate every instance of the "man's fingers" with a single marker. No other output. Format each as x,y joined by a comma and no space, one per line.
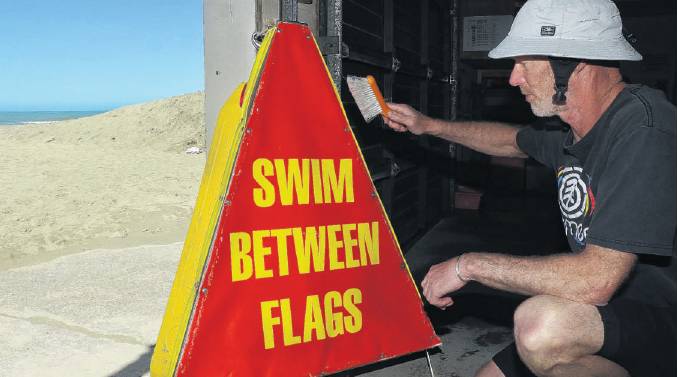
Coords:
397,111
398,107
441,302
394,125
398,117
426,279
426,290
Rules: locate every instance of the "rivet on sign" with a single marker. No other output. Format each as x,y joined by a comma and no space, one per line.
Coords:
204,291
248,130
374,194
227,202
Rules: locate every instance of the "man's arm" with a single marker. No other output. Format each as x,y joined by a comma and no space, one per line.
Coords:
590,277
495,139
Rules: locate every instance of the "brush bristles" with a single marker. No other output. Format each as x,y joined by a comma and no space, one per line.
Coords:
364,97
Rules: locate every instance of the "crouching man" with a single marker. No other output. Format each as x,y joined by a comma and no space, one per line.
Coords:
599,310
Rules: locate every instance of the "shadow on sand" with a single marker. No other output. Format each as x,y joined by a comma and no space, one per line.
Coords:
138,367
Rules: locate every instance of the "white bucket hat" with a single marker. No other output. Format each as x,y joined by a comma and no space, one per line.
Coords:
583,29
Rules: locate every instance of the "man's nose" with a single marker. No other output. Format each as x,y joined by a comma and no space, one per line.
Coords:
517,76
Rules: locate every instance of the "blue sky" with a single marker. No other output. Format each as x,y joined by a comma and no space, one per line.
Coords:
97,55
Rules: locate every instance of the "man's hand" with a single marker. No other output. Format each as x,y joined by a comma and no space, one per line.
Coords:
403,118
440,281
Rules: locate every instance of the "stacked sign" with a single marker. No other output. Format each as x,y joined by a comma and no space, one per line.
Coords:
290,266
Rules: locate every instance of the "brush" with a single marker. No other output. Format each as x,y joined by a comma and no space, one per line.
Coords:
367,96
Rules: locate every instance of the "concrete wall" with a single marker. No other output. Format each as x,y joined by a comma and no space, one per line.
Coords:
229,53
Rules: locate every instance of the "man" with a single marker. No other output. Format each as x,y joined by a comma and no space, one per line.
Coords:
597,311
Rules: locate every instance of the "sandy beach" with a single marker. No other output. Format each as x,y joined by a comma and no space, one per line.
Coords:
117,179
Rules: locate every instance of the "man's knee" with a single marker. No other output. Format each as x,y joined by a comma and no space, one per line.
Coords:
542,331
550,331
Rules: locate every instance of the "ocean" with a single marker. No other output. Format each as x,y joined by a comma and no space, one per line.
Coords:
38,117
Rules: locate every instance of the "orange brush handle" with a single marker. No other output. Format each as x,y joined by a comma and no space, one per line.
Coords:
377,93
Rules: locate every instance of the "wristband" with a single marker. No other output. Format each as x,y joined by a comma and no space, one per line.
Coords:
457,269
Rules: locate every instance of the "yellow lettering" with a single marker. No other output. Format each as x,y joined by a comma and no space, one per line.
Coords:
264,195
349,243
260,252
241,262
354,321
368,242
334,186
288,331
268,321
281,235
335,247
320,322
332,245
317,182
292,180
333,321
310,246
313,319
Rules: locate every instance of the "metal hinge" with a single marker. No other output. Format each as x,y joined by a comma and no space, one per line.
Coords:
395,65
449,79
395,169
258,38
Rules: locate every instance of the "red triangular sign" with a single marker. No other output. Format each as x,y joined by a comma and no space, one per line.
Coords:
305,276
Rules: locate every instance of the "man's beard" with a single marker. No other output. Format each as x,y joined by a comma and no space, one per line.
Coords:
545,108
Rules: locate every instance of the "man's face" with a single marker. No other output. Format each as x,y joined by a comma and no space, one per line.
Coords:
534,77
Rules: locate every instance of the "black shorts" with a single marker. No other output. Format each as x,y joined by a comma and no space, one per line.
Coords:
638,336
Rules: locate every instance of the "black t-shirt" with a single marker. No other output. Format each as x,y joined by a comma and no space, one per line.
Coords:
617,185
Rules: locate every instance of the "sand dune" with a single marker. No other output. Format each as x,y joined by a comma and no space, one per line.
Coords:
116,179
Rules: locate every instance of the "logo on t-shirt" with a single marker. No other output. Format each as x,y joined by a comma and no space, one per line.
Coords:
576,201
